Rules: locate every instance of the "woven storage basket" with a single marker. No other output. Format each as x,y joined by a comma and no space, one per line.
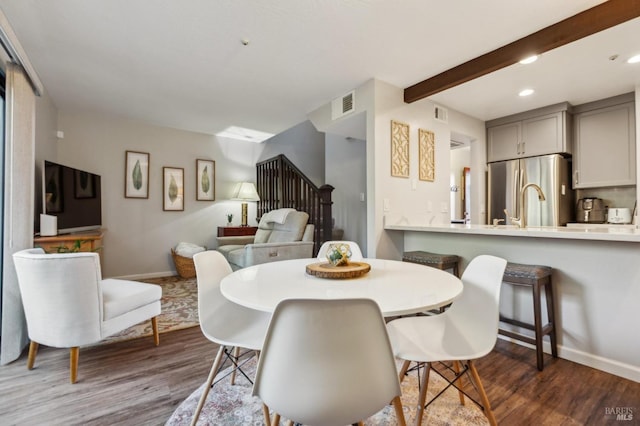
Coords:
184,265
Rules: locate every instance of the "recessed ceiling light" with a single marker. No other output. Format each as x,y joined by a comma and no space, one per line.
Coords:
633,59
529,60
244,134
526,92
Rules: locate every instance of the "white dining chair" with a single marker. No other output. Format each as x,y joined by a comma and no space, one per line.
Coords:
327,362
356,253
468,330
223,322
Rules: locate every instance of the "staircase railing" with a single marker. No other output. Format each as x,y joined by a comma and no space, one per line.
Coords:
281,184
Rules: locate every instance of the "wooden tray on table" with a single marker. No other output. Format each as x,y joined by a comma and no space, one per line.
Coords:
327,270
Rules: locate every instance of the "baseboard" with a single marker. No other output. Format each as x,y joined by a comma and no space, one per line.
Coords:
626,371
146,276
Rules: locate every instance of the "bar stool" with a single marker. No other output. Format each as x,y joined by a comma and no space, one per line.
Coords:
536,277
435,260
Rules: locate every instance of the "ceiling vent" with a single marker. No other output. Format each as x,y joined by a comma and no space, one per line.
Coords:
441,114
343,105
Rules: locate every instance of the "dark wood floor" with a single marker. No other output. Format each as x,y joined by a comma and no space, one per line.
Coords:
135,383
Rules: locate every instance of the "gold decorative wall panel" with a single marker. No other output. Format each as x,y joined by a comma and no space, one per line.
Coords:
399,149
426,155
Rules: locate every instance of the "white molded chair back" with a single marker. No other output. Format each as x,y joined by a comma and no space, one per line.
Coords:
327,362
356,253
229,325
211,267
476,313
222,321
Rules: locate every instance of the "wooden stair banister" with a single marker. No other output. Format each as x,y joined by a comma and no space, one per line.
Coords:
281,184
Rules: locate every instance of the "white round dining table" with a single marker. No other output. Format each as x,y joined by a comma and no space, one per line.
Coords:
399,288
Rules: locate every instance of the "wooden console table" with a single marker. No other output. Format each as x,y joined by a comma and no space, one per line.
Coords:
65,243
236,231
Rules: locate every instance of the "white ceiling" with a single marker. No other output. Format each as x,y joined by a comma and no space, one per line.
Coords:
181,63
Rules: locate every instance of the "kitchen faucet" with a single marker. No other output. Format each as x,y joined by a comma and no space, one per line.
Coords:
522,220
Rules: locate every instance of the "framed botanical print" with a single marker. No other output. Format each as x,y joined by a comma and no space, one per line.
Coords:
173,189
136,174
205,180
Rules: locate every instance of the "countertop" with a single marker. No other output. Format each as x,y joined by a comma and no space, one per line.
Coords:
596,233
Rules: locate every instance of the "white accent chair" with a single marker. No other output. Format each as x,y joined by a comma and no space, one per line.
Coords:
229,325
468,330
67,304
327,362
356,253
282,234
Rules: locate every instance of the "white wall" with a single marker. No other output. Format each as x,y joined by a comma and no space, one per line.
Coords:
423,201
139,234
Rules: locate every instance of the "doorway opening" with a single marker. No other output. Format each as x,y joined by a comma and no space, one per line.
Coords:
460,178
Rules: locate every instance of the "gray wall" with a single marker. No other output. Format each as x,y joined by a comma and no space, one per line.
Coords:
138,233
304,146
346,170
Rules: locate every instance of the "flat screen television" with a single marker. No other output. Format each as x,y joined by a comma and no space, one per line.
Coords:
73,196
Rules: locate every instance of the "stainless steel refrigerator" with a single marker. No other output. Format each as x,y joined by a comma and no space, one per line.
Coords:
551,172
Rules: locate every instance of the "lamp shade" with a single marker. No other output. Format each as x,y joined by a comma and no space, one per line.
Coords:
245,191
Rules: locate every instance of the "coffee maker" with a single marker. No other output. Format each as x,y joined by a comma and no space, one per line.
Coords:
591,210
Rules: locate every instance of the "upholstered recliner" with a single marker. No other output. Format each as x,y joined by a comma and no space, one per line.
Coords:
282,234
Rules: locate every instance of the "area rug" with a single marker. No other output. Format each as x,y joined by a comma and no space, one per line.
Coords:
233,405
179,309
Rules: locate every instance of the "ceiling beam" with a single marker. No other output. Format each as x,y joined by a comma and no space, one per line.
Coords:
598,18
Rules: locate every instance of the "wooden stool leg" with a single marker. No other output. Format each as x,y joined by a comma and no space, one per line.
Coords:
552,318
537,324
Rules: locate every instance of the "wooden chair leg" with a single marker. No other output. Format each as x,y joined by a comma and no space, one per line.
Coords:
33,351
156,333
74,354
423,393
265,413
205,392
290,423
403,370
483,395
236,355
456,368
276,419
397,405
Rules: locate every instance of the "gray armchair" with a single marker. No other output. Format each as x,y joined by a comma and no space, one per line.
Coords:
282,234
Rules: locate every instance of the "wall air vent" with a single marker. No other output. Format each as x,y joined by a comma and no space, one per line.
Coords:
343,105
441,114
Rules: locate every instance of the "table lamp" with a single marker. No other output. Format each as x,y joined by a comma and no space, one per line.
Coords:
245,191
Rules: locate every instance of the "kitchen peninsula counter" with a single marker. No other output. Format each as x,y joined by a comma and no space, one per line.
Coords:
595,279
611,233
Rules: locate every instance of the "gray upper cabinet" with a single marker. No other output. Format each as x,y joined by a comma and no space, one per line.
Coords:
538,132
605,148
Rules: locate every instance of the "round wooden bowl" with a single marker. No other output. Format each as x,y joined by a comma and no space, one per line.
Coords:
327,270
